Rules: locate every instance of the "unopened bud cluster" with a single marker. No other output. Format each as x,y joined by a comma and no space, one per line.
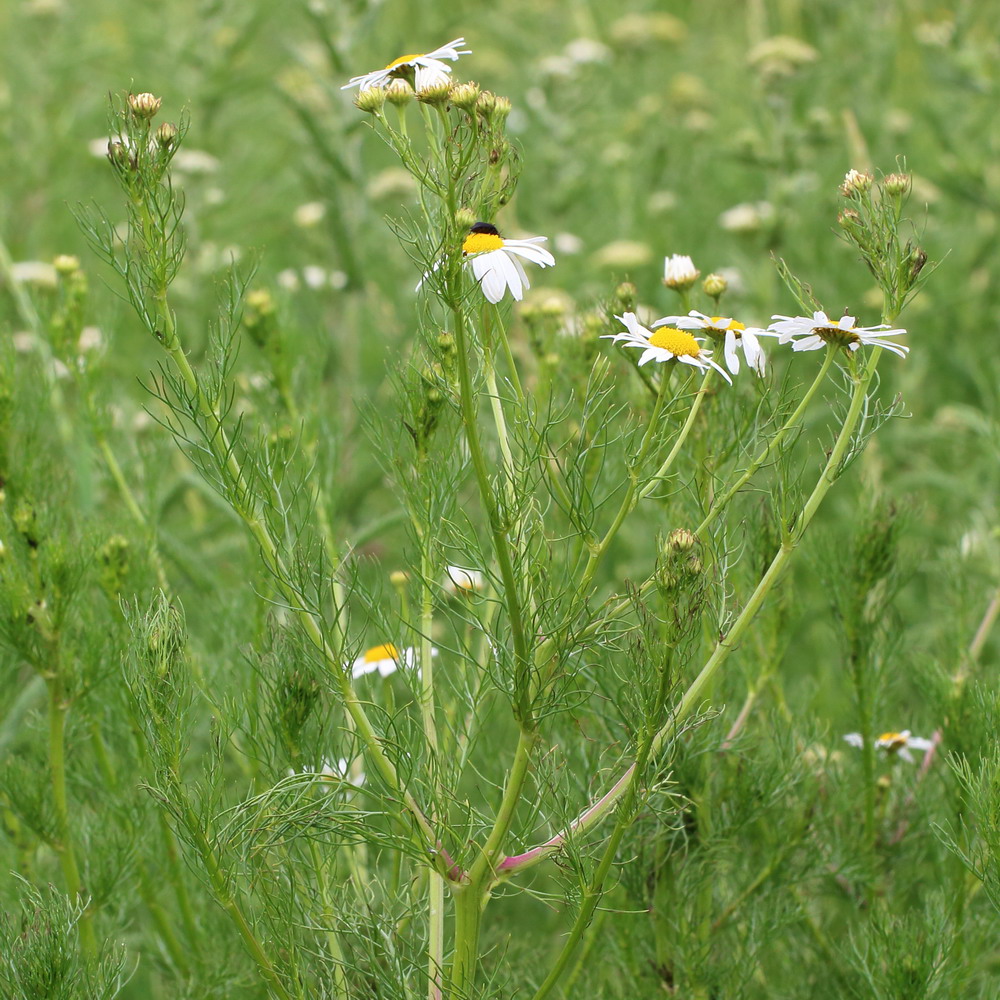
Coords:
872,225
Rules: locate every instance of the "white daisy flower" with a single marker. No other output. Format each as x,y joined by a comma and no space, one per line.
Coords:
494,260
819,330
665,344
459,580
894,744
427,67
734,335
679,271
333,774
386,659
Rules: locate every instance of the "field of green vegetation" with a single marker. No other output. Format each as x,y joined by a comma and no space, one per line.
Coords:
361,639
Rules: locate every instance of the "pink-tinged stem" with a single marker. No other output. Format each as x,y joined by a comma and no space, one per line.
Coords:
594,814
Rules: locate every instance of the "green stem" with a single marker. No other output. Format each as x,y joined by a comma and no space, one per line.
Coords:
340,987
468,917
220,889
498,532
694,694
132,505
65,847
771,447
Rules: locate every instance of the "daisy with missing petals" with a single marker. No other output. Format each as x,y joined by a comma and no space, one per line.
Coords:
732,334
820,330
895,744
426,69
665,344
494,260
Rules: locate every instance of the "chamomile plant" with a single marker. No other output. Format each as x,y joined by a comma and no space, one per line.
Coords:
478,693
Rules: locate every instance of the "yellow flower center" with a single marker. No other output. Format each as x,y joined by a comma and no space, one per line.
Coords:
680,343
387,651
834,335
481,242
404,59
892,741
733,325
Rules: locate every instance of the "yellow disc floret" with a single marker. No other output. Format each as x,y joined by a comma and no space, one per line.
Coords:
387,651
680,343
733,325
404,59
481,242
892,741
836,335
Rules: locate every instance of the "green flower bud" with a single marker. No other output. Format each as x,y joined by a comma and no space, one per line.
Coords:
371,100
144,106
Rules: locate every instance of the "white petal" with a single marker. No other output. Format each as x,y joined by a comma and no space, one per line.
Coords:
732,357
510,275
431,74
530,251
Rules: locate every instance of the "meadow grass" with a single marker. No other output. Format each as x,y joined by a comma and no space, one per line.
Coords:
239,452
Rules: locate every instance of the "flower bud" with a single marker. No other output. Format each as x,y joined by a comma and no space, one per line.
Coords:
897,184
371,100
626,296
487,103
144,105
399,93
679,272
66,264
119,155
681,540
399,578
502,108
465,219
114,559
437,94
714,286
166,135
856,182
465,95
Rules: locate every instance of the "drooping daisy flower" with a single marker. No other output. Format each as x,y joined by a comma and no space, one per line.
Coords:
732,334
495,263
462,581
895,744
427,68
819,330
665,344
386,659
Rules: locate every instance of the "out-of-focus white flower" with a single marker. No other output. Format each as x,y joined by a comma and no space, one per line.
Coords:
567,243
34,272
289,279
314,276
428,69
91,339
459,580
194,161
894,744
817,331
332,775
310,214
24,341
747,217
622,255
587,50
